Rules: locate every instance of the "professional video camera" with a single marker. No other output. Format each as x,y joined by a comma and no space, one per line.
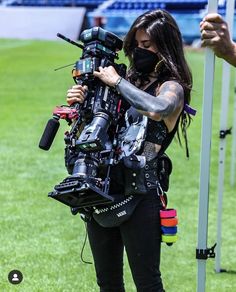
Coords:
91,143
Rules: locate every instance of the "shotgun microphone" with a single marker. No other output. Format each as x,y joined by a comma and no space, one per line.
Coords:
49,133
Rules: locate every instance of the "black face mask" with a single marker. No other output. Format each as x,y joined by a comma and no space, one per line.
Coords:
144,60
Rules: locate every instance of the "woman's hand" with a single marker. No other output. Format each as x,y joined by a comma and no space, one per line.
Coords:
76,93
108,75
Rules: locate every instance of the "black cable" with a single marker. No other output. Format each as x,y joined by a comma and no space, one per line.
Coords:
84,243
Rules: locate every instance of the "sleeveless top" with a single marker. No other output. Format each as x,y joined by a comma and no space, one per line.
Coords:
157,132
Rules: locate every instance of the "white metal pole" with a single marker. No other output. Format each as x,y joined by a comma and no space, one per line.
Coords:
205,160
223,129
233,151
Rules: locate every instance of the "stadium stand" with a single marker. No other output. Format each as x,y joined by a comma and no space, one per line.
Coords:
89,4
118,15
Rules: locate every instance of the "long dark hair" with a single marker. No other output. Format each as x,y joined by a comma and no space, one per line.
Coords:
165,34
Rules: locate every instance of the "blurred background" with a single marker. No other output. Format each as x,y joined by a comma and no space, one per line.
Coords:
38,235
38,18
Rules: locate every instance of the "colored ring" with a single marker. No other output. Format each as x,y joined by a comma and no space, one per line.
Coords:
169,238
168,222
168,213
169,230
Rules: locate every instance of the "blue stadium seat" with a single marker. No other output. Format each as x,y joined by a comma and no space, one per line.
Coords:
120,14
89,4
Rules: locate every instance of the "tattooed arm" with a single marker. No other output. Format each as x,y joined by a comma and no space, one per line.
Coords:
169,99
166,105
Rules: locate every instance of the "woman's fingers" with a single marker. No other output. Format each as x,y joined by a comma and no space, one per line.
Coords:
107,74
72,100
76,94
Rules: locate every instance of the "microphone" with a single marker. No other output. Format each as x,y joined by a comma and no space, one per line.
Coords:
49,133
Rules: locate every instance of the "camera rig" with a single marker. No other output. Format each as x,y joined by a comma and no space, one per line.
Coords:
91,144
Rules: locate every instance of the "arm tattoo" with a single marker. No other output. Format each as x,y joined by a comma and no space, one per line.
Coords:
169,98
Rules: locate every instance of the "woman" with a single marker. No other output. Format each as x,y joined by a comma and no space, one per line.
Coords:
157,86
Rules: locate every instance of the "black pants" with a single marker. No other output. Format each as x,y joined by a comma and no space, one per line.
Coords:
141,237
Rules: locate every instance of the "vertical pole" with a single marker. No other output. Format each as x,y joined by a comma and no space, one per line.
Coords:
222,144
205,157
233,151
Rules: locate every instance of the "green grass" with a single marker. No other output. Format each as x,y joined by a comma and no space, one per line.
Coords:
38,235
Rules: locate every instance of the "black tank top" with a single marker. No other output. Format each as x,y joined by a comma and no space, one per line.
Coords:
157,131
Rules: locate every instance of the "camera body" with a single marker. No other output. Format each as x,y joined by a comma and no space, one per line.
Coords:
91,143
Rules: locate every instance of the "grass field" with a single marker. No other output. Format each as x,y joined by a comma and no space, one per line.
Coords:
39,236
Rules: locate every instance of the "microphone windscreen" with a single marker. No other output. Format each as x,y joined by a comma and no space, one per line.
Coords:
49,134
